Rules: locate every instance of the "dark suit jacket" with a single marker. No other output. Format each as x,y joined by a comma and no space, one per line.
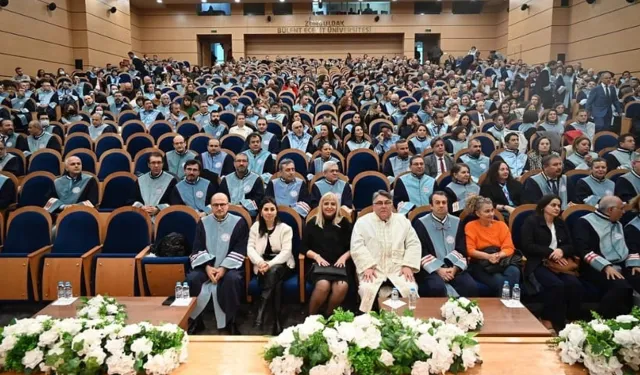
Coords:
494,191
536,238
431,164
599,105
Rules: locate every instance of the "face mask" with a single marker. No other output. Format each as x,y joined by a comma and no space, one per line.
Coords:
44,123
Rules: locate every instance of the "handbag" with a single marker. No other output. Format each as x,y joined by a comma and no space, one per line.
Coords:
573,264
328,270
516,259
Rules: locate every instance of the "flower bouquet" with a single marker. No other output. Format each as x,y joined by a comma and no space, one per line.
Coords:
371,344
104,308
605,347
91,346
462,312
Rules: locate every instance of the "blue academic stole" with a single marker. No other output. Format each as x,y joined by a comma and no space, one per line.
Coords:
152,189
599,189
3,161
215,131
299,143
420,144
443,239
463,192
148,117
546,189
239,187
418,189
39,143
515,160
68,191
325,187
318,163
579,162
215,162
399,165
611,241
477,166
176,161
194,195
634,179
256,162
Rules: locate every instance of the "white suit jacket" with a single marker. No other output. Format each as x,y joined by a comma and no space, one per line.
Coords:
281,243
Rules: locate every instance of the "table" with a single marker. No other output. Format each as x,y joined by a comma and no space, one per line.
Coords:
233,355
499,320
139,309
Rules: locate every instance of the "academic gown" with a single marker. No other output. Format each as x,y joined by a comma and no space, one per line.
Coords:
439,249
154,191
412,191
9,163
341,188
294,194
627,186
619,158
303,144
7,192
247,191
536,187
219,244
18,141
45,140
81,190
196,195
589,190
220,164
174,162
387,246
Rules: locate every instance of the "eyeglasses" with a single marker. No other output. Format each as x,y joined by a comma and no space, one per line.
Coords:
219,204
383,203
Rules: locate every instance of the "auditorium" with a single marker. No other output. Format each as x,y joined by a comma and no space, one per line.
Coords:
245,169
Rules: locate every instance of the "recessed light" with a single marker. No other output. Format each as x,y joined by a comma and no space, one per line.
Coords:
159,1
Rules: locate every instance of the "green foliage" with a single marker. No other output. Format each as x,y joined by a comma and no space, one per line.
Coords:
25,343
272,352
364,360
340,316
314,350
408,313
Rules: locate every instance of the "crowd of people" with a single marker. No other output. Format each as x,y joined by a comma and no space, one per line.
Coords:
428,125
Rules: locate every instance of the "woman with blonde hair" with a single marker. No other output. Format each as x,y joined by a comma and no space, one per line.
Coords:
326,241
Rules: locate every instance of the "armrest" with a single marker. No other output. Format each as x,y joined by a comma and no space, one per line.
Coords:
34,268
87,262
139,257
301,280
247,277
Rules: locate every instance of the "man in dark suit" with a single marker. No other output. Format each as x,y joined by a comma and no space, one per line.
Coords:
543,85
600,100
439,161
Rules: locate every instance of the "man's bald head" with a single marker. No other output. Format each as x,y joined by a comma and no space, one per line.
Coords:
73,166
220,205
611,206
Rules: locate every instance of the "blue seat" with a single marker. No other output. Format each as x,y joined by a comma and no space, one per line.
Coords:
118,190
572,214
137,143
107,142
245,100
165,143
228,118
28,240
364,185
487,142
46,160
132,128
299,159
78,127
604,139
275,127
516,222
199,142
128,236
126,116
114,161
70,250
159,128
88,159
361,160
576,175
487,126
223,101
232,142
188,128
141,162
36,188
76,141
124,77
21,161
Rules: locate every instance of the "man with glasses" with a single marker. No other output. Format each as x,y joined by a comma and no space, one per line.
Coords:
243,187
153,189
386,251
608,262
298,139
289,190
176,158
73,187
332,183
219,249
194,191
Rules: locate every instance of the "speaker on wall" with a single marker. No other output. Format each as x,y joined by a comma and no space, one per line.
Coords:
377,18
112,10
591,1
52,6
564,3
79,64
268,18
4,3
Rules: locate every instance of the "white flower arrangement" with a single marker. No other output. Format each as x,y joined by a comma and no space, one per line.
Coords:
102,309
605,347
462,312
371,344
96,343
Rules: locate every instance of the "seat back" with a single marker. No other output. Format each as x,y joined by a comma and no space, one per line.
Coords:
487,141
118,190
417,213
165,142
290,217
299,159
22,160
71,222
188,128
35,189
128,231
159,128
78,127
46,160
141,162
364,185
76,141
361,160
199,142
113,161
106,142
126,116
132,127
604,139
28,229
576,175
137,143
178,219
87,157
232,142
516,222
616,173
572,214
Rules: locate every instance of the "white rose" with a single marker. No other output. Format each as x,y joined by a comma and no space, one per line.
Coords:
98,354
626,319
48,338
130,330
286,365
8,343
112,309
623,337
115,346
32,358
426,343
599,327
141,346
386,358
420,368
35,328
121,365
469,357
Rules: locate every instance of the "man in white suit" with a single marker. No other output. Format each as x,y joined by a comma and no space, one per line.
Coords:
384,246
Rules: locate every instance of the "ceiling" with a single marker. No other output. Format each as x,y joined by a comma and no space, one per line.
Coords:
153,3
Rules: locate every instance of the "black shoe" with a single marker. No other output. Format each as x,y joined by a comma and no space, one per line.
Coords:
259,322
195,326
233,329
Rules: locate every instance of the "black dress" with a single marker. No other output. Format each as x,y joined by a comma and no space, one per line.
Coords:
330,242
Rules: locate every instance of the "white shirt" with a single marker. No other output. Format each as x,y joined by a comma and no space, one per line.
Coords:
554,240
244,131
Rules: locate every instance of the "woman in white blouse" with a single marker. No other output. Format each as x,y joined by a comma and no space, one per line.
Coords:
269,249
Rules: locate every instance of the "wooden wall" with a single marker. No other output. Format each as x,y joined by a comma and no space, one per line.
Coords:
529,32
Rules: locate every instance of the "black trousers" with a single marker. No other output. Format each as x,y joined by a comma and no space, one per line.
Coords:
617,295
230,289
562,296
273,278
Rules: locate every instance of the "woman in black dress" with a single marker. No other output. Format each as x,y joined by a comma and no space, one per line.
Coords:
326,241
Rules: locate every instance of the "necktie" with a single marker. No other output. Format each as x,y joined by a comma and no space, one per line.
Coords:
480,118
443,169
554,186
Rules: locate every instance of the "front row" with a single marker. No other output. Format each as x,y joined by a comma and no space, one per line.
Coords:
439,255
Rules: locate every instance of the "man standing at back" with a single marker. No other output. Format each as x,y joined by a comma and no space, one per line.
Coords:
386,250
600,100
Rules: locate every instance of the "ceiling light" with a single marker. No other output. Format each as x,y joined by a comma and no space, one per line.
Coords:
159,1
204,1
237,1
282,1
